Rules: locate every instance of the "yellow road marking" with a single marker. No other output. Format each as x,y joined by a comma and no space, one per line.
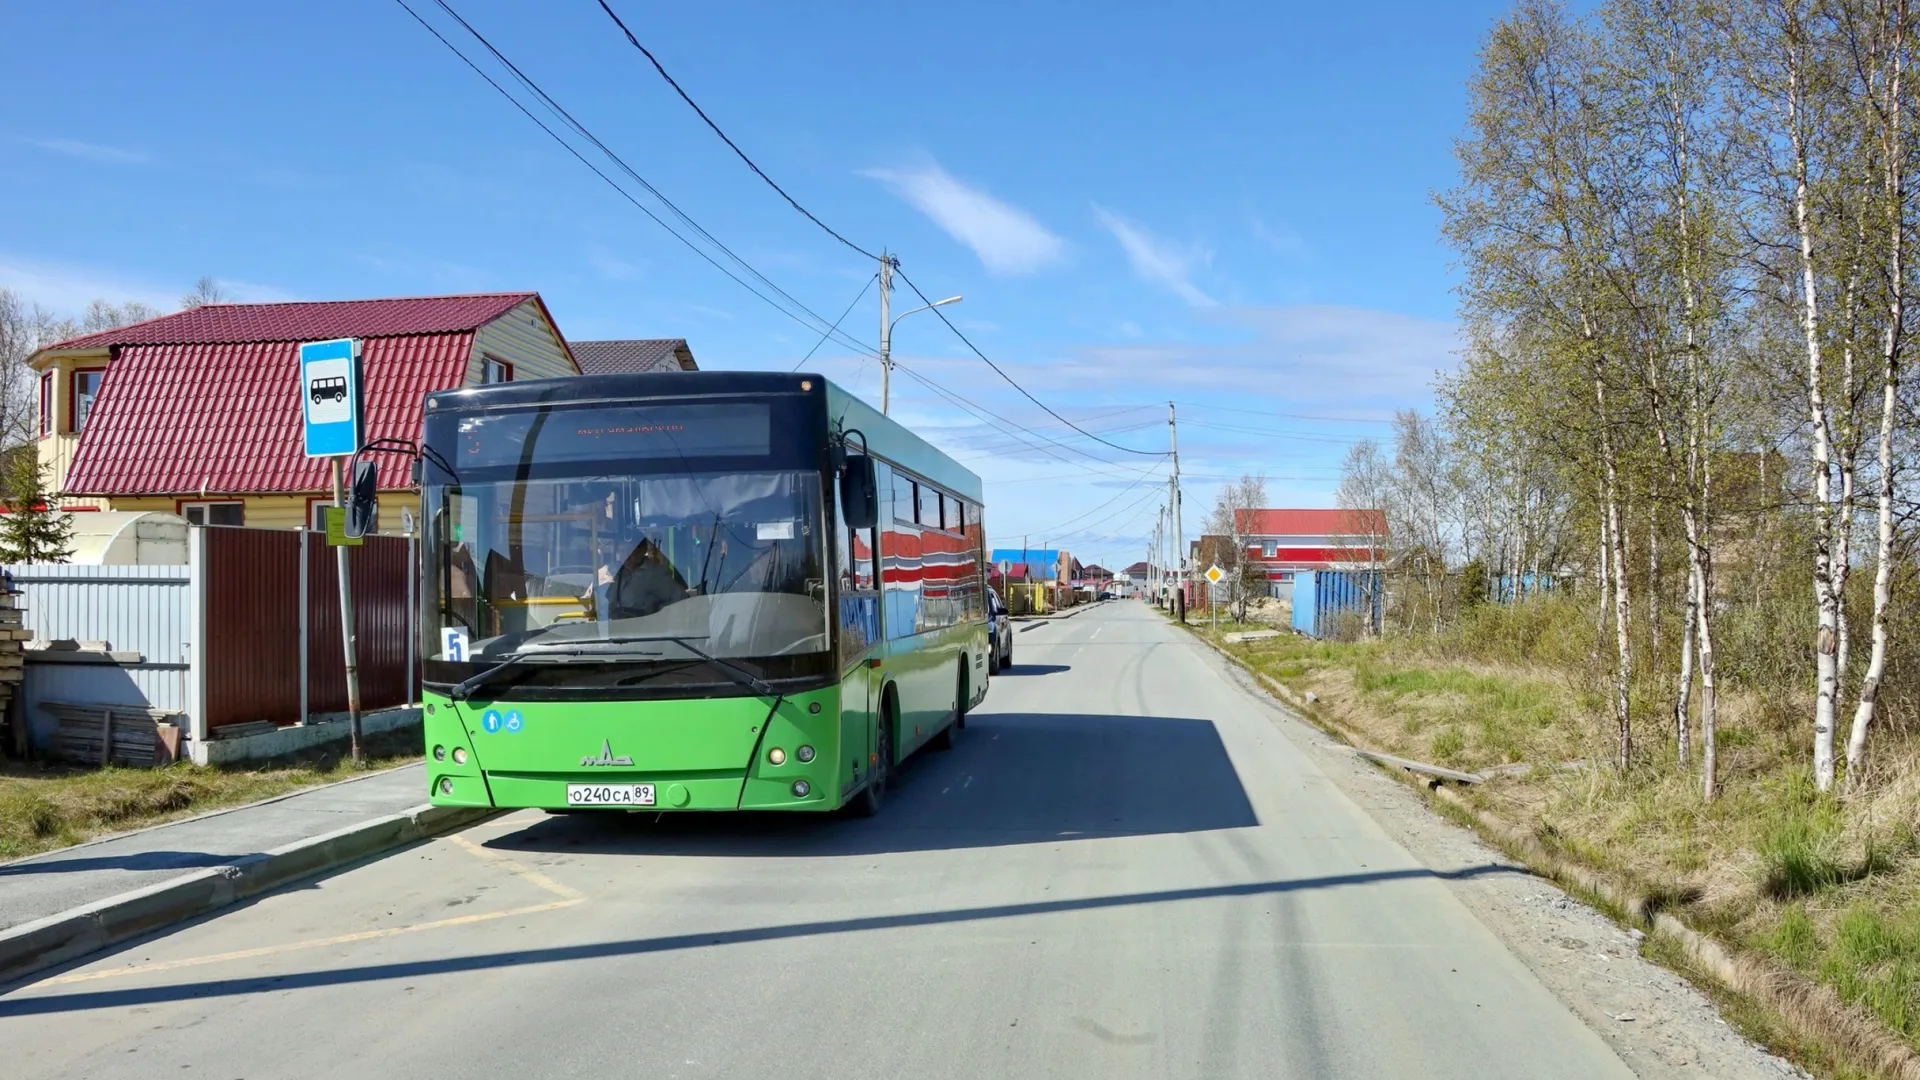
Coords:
343,939
565,892
569,896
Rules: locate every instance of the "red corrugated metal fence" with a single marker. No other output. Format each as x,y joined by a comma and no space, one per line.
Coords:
253,625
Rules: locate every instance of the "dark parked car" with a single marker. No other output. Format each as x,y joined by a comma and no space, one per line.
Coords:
999,634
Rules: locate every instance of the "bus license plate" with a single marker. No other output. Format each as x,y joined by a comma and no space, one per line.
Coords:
609,794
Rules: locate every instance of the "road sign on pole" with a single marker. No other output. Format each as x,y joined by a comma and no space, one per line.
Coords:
330,397
330,428
1214,573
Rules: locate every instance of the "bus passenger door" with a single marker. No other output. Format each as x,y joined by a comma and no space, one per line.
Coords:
861,638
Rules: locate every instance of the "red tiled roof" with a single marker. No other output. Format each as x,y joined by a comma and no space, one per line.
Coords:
1311,522
233,323
153,430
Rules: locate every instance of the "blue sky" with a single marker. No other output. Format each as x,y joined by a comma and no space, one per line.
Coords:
1228,207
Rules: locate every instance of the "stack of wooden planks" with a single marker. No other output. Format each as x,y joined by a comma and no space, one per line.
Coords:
13,647
126,735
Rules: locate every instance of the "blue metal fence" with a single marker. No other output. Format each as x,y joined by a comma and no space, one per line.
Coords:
1320,596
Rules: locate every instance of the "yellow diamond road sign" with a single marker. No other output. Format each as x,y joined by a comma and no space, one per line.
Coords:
1214,574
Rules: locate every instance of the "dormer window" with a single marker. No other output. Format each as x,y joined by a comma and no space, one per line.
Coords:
86,386
495,371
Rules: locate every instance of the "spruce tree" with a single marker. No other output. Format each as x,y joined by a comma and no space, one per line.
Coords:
32,530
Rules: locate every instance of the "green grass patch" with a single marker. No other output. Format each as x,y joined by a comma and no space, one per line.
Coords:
48,807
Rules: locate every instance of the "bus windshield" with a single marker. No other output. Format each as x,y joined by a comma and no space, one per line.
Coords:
619,565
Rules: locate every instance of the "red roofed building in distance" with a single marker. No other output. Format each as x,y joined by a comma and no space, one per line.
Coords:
199,413
633,356
1284,541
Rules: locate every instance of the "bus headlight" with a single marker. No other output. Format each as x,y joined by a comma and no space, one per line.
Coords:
459,755
777,756
800,789
446,785
439,753
804,754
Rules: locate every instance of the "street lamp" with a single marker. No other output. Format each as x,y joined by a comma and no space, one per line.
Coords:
886,344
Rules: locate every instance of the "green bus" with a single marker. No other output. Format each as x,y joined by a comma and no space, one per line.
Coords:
690,591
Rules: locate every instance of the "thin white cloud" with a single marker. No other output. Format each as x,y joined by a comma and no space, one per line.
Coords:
249,292
1303,352
67,290
610,266
1158,260
1281,239
1006,238
111,155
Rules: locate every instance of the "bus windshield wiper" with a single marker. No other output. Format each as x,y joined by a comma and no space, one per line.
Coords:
733,671
465,688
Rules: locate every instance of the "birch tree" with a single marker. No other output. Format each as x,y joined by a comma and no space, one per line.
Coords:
1535,219
1879,39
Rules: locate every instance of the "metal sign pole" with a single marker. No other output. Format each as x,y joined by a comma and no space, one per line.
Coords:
346,621
331,428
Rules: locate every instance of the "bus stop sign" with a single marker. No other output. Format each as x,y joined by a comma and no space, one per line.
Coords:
330,397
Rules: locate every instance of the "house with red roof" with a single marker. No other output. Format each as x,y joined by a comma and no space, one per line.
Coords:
1285,541
198,413
634,356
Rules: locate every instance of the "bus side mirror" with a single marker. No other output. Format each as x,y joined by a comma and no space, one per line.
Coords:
363,499
859,494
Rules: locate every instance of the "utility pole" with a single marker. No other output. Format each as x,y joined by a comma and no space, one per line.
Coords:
1179,534
1153,557
886,332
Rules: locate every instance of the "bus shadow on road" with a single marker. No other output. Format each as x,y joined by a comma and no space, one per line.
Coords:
1013,778
1034,669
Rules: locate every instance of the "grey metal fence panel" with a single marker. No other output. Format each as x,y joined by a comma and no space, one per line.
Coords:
135,609
139,609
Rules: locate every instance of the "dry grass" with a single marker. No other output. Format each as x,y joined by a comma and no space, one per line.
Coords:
48,807
1828,886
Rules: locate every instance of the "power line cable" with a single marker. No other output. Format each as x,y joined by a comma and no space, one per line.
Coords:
1007,426
566,117
742,154
1023,390
1289,416
1004,425
623,192
1122,493
1311,436
1083,530
837,322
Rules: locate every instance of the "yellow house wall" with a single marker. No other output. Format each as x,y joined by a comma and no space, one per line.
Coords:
56,450
277,511
525,339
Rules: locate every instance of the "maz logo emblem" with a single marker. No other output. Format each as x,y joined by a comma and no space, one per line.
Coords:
606,756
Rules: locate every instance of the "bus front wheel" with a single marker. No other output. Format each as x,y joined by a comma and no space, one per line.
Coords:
874,795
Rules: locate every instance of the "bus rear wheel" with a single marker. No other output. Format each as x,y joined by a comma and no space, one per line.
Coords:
944,740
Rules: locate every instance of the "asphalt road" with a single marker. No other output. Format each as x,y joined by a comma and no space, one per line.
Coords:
1125,868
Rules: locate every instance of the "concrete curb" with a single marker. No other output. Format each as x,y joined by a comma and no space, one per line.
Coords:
56,939
1808,1009
1029,622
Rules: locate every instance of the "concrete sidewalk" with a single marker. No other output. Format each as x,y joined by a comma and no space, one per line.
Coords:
45,885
